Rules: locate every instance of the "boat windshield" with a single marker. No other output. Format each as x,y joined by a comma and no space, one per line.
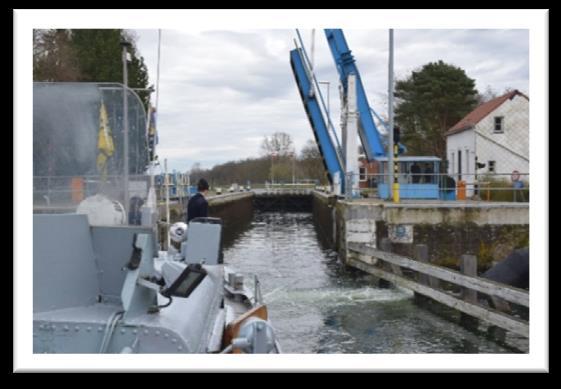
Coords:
79,148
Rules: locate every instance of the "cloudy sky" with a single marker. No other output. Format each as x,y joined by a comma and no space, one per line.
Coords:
221,92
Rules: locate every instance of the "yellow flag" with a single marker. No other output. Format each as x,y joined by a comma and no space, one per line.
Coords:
105,144
105,140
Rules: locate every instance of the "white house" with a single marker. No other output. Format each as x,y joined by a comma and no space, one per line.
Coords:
496,134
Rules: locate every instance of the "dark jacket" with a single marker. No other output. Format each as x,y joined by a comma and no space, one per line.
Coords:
415,170
197,207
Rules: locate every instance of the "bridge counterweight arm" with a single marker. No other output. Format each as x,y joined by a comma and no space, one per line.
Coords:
345,63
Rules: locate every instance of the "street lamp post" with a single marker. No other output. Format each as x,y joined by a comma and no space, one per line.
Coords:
125,45
293,155
328,88
393,147
273,155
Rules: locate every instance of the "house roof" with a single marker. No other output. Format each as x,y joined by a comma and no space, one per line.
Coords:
475,116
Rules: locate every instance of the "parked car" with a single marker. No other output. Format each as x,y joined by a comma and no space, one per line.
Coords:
218,191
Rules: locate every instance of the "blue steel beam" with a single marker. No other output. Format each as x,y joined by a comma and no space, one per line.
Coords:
307,64
315,116
369,134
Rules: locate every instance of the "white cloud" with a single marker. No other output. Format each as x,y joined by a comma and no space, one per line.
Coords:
221,92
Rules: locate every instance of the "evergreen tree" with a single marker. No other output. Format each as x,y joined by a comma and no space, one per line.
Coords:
431,101
89,56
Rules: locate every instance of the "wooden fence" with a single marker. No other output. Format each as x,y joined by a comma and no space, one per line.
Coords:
388,266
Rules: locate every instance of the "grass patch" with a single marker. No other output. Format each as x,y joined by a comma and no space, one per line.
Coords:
492,189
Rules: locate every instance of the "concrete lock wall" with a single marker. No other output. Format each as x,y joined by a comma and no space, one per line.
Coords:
236,212
488,230
324,216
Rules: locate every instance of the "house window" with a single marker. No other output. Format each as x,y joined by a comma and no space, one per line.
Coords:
362,174
492,166
499,122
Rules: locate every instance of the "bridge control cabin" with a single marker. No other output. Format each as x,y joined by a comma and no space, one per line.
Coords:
418,178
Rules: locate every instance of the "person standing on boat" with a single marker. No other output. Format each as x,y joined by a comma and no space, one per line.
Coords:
198,206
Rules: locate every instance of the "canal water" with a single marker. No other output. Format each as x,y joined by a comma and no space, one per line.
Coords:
318,306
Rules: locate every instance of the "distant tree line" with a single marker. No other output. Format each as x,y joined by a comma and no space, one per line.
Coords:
278,162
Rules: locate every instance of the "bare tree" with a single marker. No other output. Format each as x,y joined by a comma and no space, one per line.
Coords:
279,144
196,172
489,94
310,150
311,162
196,169
53,56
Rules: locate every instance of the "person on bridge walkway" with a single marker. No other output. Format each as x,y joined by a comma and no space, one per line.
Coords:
415,173
428,173
198,206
